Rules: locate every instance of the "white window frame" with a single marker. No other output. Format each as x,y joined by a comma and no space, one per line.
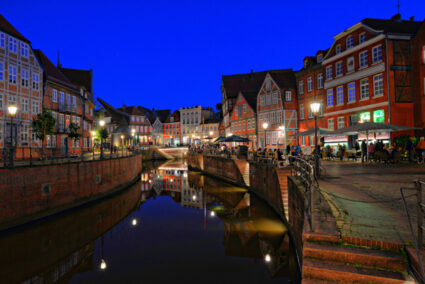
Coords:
349,42
12,74
330,93
360,38
24,78
24,50
244,108
339,95
13,44
362,62
35,107
268,84
301,87
262,100
309,84
329,72
274,99
288,96
378,86
320,81
54,95
364,85
274,138
341,122
331,124
25,105
339,69
35,81
351,92
268,99
376,54
2,40
302,113
338,49
61,98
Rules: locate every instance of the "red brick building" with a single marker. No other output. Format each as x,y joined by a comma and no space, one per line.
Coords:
172,129
139,125
418,71
310,88
243,118
21,78
277,118
367,76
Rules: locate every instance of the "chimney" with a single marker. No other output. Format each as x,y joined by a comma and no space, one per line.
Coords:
412,18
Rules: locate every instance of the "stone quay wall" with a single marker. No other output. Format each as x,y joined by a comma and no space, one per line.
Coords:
30,193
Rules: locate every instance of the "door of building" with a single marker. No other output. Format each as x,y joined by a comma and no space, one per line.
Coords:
64,145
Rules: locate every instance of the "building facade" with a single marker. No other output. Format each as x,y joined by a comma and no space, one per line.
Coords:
243,118
277,110
310,89
367,73
418,71
191,123
210,128
172,130
21,78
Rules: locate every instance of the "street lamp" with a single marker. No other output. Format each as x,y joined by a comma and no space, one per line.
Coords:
12,109
279,134
265,126
102,124
315,108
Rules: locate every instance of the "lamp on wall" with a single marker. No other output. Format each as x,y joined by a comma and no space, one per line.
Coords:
11,109
315,109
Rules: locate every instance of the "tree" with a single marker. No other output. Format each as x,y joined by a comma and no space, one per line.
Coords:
103,133
43,125
73,132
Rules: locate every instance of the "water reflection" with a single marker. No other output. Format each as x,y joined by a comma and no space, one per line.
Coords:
172,225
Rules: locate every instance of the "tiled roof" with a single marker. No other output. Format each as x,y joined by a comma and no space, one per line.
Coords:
79,77
251,99
233,84
52,73
132,110
6,27
162,114
118,116
393,26
176,115
284,78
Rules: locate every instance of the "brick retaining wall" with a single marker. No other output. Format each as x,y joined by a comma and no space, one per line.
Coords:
29,193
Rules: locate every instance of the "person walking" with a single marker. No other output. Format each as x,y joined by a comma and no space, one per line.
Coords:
288,149
420,149
364,150
409,148
370,151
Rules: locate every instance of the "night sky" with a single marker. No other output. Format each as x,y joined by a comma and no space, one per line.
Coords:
170,54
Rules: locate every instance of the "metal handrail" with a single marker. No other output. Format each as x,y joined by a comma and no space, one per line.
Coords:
418,240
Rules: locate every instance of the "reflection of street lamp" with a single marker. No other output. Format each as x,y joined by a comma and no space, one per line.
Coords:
267,258
212,213
12,109
265,126
194,197
315,108
211,133
102,261
134,222
102,124
133,131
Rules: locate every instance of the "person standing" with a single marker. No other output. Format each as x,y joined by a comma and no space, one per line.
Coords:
409,148
364,150
420,149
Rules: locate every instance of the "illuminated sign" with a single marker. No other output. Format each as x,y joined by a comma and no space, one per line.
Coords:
364,117
379,116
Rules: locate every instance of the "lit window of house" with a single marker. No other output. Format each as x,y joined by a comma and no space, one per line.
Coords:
288,96
331,125
351,92
330,98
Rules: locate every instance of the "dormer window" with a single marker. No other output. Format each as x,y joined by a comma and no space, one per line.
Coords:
350,42
319,58
338,49
362,38
305,63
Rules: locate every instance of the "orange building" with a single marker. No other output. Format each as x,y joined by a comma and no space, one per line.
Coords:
418,71
277,110
172,129
243,118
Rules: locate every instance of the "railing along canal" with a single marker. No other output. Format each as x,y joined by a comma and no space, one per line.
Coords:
420,207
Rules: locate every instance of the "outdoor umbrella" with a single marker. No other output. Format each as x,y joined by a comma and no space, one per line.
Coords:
236,138
219,139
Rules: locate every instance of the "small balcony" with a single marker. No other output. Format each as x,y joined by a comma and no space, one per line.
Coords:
68,108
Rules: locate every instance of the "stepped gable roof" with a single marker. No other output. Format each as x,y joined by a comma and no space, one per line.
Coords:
163,114
118,116
52,73
233,84
176,115
284,78
393,26
79,77
251,99
7,27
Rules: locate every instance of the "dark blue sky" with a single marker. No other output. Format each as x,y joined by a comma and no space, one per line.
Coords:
169,54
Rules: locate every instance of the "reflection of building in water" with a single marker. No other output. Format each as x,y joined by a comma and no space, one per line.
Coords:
193,197
59,247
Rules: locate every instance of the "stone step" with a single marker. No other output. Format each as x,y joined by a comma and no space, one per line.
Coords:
317,237
340,273
359,256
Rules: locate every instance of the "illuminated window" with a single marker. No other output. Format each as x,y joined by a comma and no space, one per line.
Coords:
330,98
379,116
351,92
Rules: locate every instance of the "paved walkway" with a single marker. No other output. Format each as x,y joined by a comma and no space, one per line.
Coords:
367,197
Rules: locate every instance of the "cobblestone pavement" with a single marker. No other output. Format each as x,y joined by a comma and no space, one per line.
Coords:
367,201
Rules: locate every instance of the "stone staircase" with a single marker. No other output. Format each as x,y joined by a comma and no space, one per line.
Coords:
245,175
331,262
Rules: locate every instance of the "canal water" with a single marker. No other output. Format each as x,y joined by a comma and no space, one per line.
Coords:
173,226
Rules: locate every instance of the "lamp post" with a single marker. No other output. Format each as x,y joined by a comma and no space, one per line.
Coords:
265,126
12,109
102,124
122,144
315,108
